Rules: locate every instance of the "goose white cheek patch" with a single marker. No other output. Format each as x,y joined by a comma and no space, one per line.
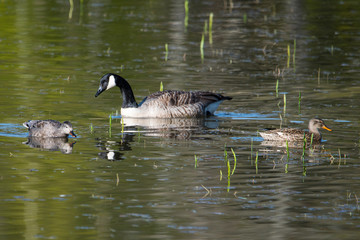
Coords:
111,82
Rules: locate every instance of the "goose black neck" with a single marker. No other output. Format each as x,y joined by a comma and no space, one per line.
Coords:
127,93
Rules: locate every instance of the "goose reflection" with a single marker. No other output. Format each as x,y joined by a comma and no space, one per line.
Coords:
112,150
171,128
51,144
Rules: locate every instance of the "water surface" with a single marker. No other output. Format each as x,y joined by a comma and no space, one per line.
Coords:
142,183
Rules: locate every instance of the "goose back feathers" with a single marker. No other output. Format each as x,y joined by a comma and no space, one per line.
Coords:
49,128
166,104
293,134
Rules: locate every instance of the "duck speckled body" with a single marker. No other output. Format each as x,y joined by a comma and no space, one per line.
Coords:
293,134
49,128
166,104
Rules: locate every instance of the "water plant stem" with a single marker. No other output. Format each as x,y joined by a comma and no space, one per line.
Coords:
71,2
166,52
122,125
277,88
284,104
288,54
202,47
110,118
256,162
196,162
186,20
235,161
161,86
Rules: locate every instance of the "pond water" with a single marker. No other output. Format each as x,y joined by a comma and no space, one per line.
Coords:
143,182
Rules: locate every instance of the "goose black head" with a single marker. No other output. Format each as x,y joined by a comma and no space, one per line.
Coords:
106,82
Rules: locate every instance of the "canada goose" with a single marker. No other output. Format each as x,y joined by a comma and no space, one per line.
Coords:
293,134
166,104
49,128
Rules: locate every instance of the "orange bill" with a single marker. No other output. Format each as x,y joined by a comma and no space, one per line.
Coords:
325,127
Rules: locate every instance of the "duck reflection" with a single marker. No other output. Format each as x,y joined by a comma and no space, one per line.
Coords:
51,144
291,144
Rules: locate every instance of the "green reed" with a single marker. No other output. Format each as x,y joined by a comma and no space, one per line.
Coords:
122,125
277,88
288,54
202,47
304,146
245,18
110,119
166,52
256,162
287,149
284,104
161,86
235,161
186,20
196,161
91,128
221,175
71,2
211,16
